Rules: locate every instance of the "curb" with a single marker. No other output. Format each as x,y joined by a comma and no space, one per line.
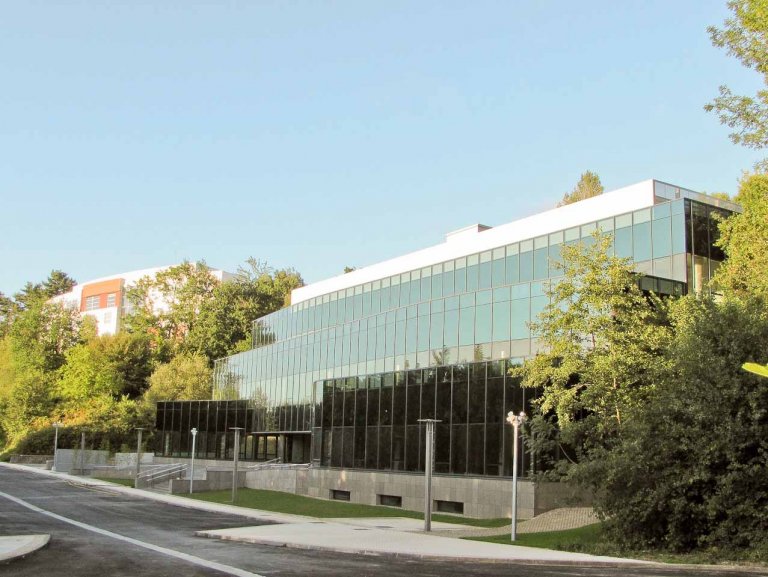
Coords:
19,546
416,556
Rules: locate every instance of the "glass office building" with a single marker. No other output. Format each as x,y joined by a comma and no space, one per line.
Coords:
342,376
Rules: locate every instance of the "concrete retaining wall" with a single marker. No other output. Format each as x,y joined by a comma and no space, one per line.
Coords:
480,497
70,460
30,459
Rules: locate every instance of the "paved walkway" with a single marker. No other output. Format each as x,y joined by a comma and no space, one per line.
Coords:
16,546
378,536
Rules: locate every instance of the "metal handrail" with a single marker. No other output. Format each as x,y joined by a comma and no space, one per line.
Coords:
278,465
264,464
168,471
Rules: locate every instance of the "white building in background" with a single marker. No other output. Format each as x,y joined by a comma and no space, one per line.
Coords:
104,298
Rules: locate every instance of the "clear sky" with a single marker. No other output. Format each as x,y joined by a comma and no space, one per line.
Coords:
321,134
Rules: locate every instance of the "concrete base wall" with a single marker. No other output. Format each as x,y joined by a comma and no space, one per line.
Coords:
481,497
73,460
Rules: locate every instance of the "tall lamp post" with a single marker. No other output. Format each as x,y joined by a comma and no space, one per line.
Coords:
192,463
236,455
138,453
515,421
429,465
56,426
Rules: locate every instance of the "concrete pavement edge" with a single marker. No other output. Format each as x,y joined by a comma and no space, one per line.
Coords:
13,547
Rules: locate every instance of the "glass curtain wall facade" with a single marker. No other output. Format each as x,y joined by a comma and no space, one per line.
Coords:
390,340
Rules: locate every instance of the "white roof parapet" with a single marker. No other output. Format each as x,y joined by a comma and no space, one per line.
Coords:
478,237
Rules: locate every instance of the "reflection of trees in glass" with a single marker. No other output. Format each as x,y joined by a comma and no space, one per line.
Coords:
262,334
227,386
441,357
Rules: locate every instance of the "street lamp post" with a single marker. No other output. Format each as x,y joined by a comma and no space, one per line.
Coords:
138,453
56,426
236,455
429,465
82,452
515,421
192,462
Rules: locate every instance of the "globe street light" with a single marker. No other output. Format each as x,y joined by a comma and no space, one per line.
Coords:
515,421
192,464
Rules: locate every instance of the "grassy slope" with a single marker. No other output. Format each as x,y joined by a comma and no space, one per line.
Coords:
300,505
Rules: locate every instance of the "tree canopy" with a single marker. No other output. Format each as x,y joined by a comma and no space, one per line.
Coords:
589,185
744,239
744,36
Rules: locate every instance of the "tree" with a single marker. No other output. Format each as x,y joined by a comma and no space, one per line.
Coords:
186,377
166,306
589,185
744,36
57,283
109,365
7,309
690,471
744,239
225,322
31,354
600,337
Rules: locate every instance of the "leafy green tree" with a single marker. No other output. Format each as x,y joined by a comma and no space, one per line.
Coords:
110,365
589,185
225,322
186,376
690,471
744,239
57,283
745,36
30,356
184,289
7,309
599,336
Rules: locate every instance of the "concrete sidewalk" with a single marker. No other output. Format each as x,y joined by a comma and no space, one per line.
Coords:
400,537
17,546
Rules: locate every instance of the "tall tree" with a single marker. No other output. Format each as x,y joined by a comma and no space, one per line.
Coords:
7,308
225,323
744,239
599,335
589,185
166,306
745,36
186,377
57,283
690,471
30,356
112,365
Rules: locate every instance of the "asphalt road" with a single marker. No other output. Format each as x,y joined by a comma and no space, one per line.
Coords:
98,533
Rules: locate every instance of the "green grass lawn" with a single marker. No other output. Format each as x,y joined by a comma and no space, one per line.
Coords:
279,502
592,540
126,482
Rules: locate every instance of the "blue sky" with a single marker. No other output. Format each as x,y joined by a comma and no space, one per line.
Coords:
323,134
